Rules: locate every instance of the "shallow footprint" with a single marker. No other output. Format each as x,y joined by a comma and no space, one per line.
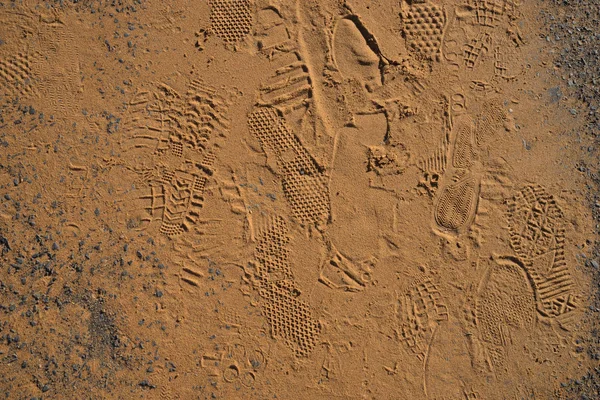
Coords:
353,56
455,208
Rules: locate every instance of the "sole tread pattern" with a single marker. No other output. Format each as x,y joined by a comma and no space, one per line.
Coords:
421,309
491,12
183,133
456,204
231,20
289,317
475,49
423,25
304,184
537,236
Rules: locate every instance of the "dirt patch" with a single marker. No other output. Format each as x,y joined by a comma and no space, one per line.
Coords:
256,199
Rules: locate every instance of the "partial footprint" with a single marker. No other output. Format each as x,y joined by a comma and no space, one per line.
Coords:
463,153
303,181
537,236
491,122
475,49
423,25
339,272
456,205
491,12
289,317
504,309
420,311
173,145
272,33
231,20
289,86
352,55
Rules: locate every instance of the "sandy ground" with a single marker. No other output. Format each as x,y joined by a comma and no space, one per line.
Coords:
254,199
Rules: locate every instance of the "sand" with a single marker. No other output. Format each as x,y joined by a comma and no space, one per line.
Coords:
253,199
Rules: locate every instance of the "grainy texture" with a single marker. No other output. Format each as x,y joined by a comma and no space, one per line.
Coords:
299,199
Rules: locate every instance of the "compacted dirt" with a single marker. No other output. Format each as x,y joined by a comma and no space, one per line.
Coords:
254,199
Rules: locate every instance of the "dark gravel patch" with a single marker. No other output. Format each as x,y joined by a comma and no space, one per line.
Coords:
573,26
